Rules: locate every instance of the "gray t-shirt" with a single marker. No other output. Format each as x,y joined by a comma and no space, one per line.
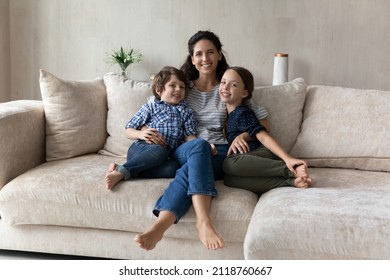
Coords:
210,113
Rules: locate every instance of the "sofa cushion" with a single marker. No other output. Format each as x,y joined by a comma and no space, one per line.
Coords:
124,98
76,113
346,128
72,193
284,104
345,215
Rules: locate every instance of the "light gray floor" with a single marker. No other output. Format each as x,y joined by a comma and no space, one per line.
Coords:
19,255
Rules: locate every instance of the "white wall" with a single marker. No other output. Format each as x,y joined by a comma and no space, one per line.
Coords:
333,42
5,85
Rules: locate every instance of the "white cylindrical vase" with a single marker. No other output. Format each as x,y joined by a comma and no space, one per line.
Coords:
280,69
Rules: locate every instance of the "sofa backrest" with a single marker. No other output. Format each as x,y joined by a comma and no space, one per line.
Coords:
75,113
345,128
124,98
284,104
328,126
89,116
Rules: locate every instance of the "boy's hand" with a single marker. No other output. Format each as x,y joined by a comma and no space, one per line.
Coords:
151,136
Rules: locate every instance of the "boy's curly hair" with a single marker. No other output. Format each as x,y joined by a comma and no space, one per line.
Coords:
162,78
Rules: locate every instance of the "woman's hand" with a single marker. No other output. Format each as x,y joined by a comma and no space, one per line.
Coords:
214,151
239,144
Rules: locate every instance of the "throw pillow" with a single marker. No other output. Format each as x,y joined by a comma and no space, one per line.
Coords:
124,98
345,128
285,105
76,113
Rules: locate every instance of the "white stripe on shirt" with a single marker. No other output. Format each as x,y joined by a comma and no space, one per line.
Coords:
211,114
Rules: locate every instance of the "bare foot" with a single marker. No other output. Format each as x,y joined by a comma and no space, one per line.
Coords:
209,237
301,171
148,240
301,183
303,179
113,178
112,167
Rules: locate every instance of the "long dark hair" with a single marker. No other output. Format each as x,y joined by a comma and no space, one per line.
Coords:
189,69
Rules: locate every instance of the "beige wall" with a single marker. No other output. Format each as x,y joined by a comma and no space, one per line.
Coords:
5,86
333,42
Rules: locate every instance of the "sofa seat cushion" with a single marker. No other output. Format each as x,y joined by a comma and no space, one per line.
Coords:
72,192
345,215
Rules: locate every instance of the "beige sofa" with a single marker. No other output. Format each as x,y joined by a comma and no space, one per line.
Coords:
55,152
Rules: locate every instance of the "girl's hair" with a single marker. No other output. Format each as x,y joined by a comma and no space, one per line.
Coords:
189,69
247,78
163,77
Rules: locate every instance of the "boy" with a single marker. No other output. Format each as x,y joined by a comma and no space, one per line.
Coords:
168,115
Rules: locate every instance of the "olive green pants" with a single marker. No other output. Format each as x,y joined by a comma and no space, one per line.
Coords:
257,171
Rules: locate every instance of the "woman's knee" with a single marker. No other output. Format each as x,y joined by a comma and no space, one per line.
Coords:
198,146
201,143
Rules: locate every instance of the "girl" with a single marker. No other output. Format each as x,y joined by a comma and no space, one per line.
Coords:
266,165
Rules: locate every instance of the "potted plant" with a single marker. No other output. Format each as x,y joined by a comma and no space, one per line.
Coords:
124,57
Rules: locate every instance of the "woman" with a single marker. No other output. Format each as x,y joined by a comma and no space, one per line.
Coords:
194,181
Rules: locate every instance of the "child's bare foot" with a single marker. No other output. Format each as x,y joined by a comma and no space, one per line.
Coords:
148,240
112,167
301,183
303,179
113,178
301,171
209,237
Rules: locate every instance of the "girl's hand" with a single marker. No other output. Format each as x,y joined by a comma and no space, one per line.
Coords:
294,162
152,136
239,145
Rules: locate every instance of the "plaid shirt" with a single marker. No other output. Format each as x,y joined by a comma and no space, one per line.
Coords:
174,122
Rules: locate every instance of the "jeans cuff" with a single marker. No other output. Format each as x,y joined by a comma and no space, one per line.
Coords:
213,193
156,212
124,171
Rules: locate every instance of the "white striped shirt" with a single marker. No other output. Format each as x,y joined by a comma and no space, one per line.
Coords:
210,113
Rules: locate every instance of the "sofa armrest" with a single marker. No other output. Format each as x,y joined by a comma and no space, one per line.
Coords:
22,134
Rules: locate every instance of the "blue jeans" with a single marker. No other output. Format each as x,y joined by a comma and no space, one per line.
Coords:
142,156
195,177
166,170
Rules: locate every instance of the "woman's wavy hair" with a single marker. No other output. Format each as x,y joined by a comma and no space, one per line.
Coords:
189,69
